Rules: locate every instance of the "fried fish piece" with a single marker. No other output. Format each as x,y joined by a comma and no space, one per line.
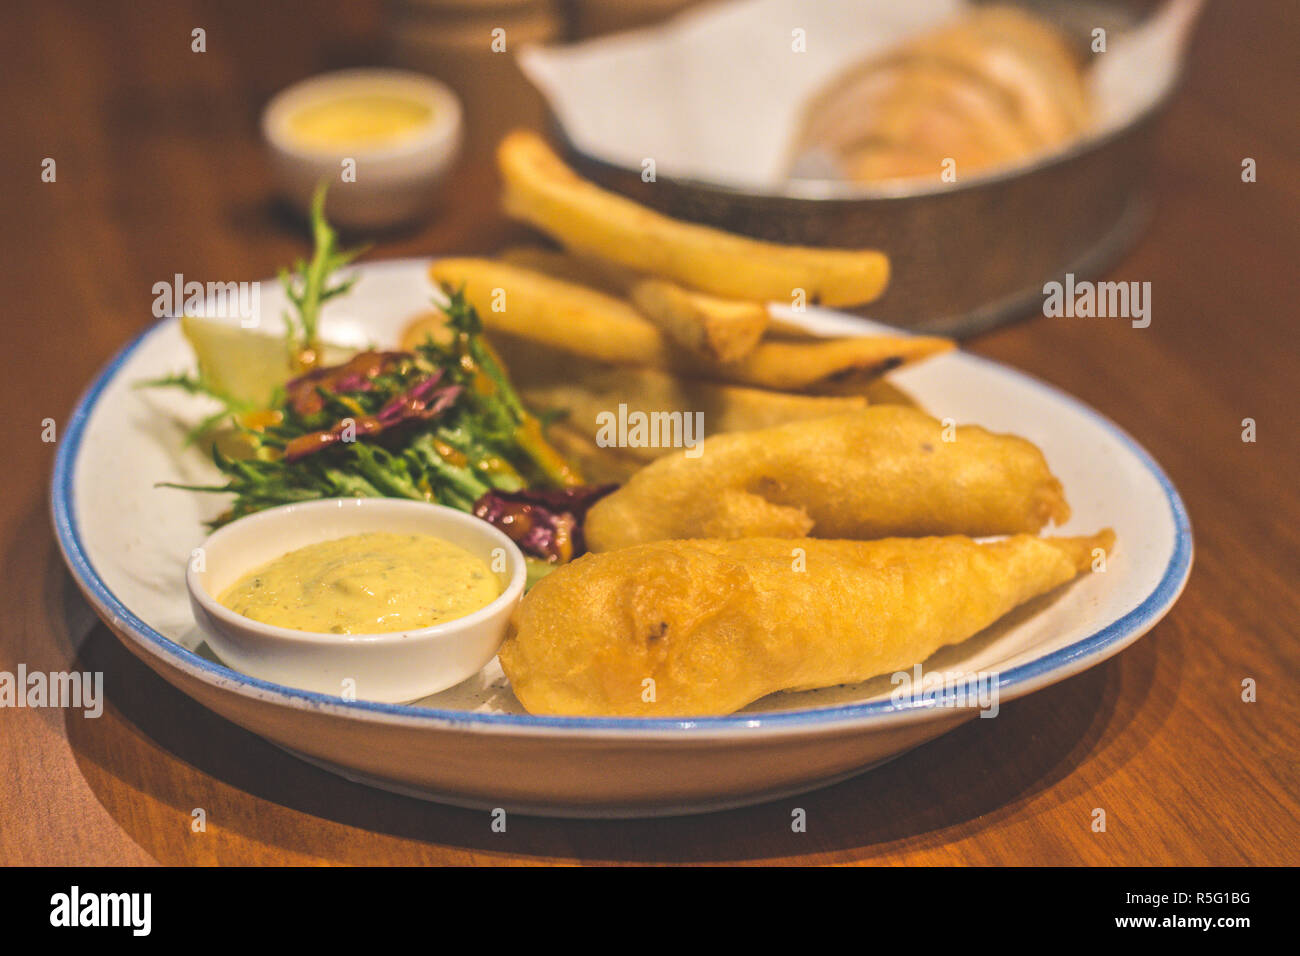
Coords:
884,470
710,626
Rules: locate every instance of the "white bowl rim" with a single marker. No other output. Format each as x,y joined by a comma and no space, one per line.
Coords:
446,630
857,717
441,129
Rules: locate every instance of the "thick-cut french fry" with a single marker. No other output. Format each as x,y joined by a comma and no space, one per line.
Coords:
427,325
555,312
721,330
602,276
784,329
543,191
881,391
585,390
599,465
794,366
580,320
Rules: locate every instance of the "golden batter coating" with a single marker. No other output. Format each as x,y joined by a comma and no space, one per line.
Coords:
885,470
689,628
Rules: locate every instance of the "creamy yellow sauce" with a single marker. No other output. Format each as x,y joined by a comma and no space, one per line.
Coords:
365,584
369,120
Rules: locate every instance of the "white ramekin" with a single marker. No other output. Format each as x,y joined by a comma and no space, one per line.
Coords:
394,183
392,667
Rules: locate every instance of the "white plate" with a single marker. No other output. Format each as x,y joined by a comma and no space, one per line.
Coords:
127,542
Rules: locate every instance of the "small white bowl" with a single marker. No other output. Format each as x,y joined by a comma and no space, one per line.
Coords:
392,667
396,182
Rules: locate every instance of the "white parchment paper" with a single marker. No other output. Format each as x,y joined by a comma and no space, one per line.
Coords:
715,94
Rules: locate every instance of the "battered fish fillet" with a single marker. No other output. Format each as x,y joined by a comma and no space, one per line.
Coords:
885,470
718,624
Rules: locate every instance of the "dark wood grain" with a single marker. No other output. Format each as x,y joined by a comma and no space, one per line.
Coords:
160,171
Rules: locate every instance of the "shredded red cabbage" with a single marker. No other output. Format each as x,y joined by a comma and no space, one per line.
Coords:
545,524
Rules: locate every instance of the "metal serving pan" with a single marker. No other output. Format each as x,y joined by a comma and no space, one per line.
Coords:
965,256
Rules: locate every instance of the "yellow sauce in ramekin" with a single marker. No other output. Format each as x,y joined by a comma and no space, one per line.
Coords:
365,584
359,120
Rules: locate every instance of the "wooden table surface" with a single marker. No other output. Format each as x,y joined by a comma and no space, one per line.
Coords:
160,171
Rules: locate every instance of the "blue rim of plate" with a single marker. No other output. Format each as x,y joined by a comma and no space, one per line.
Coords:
1135,622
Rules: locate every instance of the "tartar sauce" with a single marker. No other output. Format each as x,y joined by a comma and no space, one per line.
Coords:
365,584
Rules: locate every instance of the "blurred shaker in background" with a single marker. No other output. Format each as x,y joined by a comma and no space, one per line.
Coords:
471,45
592,18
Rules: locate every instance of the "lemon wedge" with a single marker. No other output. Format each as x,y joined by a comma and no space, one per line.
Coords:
246,364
